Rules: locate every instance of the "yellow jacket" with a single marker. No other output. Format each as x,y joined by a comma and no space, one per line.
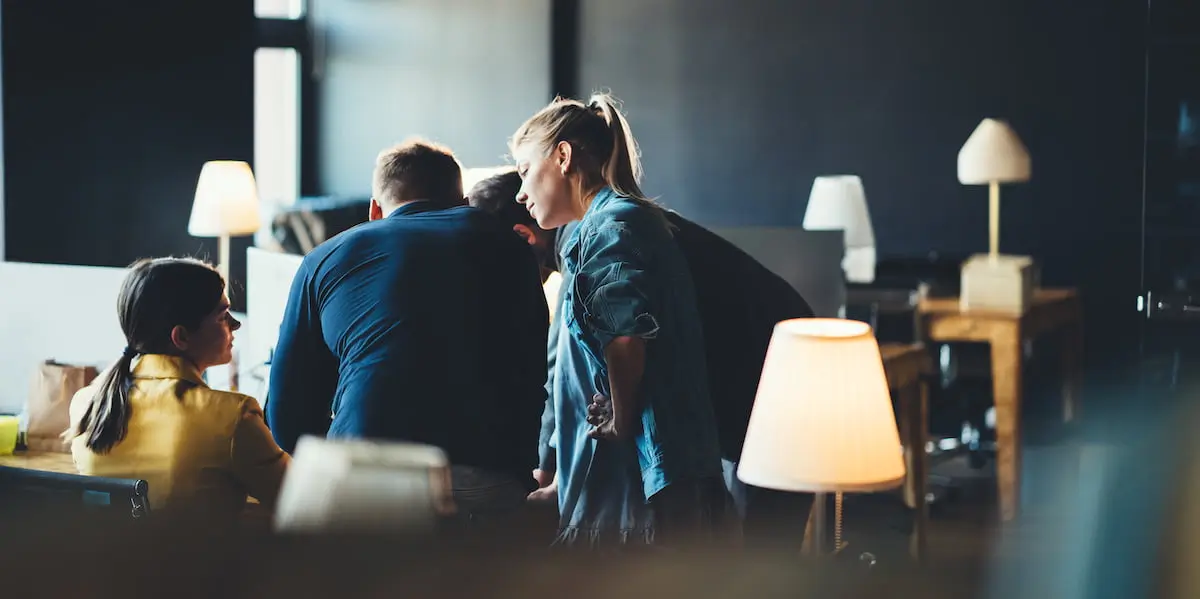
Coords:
199,449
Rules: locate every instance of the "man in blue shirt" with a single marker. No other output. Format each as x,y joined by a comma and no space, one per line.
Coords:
427,324
739,301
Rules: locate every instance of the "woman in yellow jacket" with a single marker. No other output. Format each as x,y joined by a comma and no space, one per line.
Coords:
151,416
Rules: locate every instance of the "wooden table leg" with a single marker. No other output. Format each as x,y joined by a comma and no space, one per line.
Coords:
906,420
1072,374
914,425
1006,392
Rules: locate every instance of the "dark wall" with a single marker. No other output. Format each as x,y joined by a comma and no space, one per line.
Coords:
110,110
383,84
739,105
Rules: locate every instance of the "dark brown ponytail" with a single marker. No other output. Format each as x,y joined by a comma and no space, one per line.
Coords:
107,418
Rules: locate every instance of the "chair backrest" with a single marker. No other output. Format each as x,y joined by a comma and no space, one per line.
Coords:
39,490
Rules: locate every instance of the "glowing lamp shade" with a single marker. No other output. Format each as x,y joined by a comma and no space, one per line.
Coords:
822,419
226,202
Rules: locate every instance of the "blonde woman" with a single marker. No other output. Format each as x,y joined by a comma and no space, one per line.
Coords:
635,428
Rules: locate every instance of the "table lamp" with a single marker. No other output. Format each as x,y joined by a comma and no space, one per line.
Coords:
994,155
839,202
822,420
226,205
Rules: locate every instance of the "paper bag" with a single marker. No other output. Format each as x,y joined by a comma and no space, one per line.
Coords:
48,407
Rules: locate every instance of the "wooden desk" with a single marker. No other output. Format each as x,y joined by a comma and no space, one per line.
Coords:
905,366
55,462
40,460
1053,310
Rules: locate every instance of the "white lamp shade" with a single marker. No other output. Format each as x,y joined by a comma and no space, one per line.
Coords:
822,420
839,202
226,200
993,153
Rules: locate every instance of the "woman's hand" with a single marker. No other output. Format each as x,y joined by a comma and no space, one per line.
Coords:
615,416
604,422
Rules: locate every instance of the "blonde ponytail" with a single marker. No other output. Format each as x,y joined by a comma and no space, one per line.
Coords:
622,169
608,153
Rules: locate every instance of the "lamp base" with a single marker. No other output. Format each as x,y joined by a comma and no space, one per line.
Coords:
859,264
997,283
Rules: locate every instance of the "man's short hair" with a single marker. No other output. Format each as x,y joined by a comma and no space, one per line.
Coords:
498,195
417,170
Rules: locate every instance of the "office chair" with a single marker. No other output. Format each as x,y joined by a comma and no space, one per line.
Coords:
25,490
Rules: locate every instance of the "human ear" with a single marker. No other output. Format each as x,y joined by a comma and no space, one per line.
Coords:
563,152
526,233
180,337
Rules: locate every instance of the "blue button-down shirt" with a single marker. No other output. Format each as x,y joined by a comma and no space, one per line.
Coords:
624,276
427,326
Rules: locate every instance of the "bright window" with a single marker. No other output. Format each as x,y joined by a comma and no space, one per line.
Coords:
279,9
276,128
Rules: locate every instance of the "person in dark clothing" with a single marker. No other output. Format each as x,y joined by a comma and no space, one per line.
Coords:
427,324
739,301
497,195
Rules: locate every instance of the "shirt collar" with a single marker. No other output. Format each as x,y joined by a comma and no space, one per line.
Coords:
416,207
162,366
603,197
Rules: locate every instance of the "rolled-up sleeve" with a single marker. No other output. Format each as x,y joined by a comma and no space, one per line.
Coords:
612,286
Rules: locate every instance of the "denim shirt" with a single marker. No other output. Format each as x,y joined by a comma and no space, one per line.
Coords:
623,275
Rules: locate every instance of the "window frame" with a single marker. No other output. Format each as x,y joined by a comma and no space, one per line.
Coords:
297,34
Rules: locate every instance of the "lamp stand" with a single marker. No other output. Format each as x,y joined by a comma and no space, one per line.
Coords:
994,220
817,547
223,268
223,257
818,520
993,282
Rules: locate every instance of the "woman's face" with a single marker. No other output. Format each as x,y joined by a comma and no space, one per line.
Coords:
546,187
211,344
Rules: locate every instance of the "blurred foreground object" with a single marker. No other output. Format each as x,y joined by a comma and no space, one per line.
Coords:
364,486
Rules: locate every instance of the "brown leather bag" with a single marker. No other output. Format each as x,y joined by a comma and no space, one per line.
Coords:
49,403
